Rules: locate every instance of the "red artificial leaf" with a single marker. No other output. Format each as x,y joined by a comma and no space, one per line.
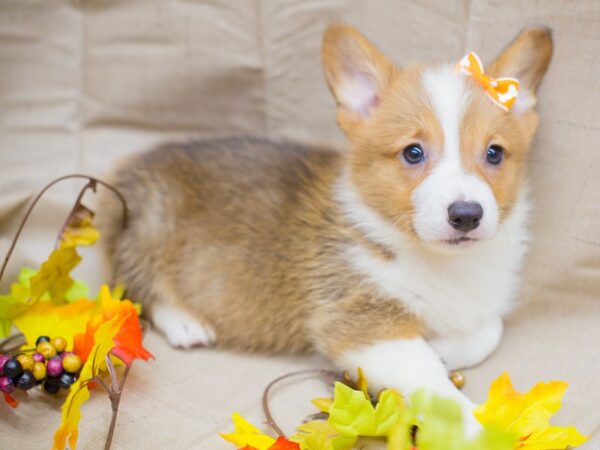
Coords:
283,444
10,400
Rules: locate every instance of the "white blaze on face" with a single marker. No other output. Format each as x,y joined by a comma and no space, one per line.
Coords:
448,181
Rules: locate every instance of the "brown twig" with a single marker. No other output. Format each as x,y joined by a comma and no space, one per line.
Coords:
116,390
114,394
328,376
91,184
12,343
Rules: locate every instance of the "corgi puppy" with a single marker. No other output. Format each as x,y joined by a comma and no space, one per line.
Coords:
400,255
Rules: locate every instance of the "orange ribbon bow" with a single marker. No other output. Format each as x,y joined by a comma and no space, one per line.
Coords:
502,91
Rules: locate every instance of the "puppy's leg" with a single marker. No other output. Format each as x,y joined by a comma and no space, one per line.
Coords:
180,327
408,365
385,341
171,317
469,349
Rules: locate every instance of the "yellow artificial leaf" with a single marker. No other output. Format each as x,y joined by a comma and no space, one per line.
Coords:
528,415
320,435
323,403
54,275
246,434
79,392
79,230
47,319
362,383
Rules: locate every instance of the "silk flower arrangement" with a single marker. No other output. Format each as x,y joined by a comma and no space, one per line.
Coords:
102,333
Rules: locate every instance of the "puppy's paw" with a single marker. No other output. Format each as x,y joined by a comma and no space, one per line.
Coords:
181,328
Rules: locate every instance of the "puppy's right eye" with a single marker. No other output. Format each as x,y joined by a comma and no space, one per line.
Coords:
413,154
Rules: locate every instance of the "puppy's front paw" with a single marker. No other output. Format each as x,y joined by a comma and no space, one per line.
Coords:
181,328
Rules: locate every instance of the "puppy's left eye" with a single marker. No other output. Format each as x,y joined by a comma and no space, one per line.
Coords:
494,154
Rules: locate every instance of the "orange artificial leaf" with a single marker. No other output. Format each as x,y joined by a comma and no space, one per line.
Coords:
79,392
128,340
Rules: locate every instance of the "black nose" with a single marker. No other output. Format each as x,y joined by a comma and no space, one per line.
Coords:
465,216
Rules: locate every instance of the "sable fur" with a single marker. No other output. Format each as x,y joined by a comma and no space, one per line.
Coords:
244,234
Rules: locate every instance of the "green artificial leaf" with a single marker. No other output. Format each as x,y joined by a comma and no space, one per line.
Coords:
441,427
388,412
353,415
321,435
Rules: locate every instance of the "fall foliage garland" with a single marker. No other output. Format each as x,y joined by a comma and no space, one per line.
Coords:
103,333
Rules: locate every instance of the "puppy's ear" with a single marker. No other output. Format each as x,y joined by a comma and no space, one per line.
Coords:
356,71
526,59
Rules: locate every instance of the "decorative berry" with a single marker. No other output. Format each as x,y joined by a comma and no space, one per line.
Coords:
71,363
66,380
46,349
42,339
39,371
51,386
3,359
6,385
59,343
12,368
26,361
26,381
457,378
54,367
38,357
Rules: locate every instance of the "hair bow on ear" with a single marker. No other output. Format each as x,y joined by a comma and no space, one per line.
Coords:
502,91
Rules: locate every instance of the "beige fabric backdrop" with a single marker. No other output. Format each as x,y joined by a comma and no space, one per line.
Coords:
83,83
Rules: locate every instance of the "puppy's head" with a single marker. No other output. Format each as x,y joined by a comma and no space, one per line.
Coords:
431,152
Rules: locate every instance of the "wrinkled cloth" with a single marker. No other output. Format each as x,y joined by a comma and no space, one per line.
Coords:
85,83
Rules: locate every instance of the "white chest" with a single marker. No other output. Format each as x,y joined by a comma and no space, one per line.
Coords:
452,293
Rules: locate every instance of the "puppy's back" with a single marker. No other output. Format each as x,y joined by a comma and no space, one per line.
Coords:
203,210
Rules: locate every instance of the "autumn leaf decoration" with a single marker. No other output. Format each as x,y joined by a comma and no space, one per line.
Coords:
510,421
79,392
528,415
248,437
103,332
